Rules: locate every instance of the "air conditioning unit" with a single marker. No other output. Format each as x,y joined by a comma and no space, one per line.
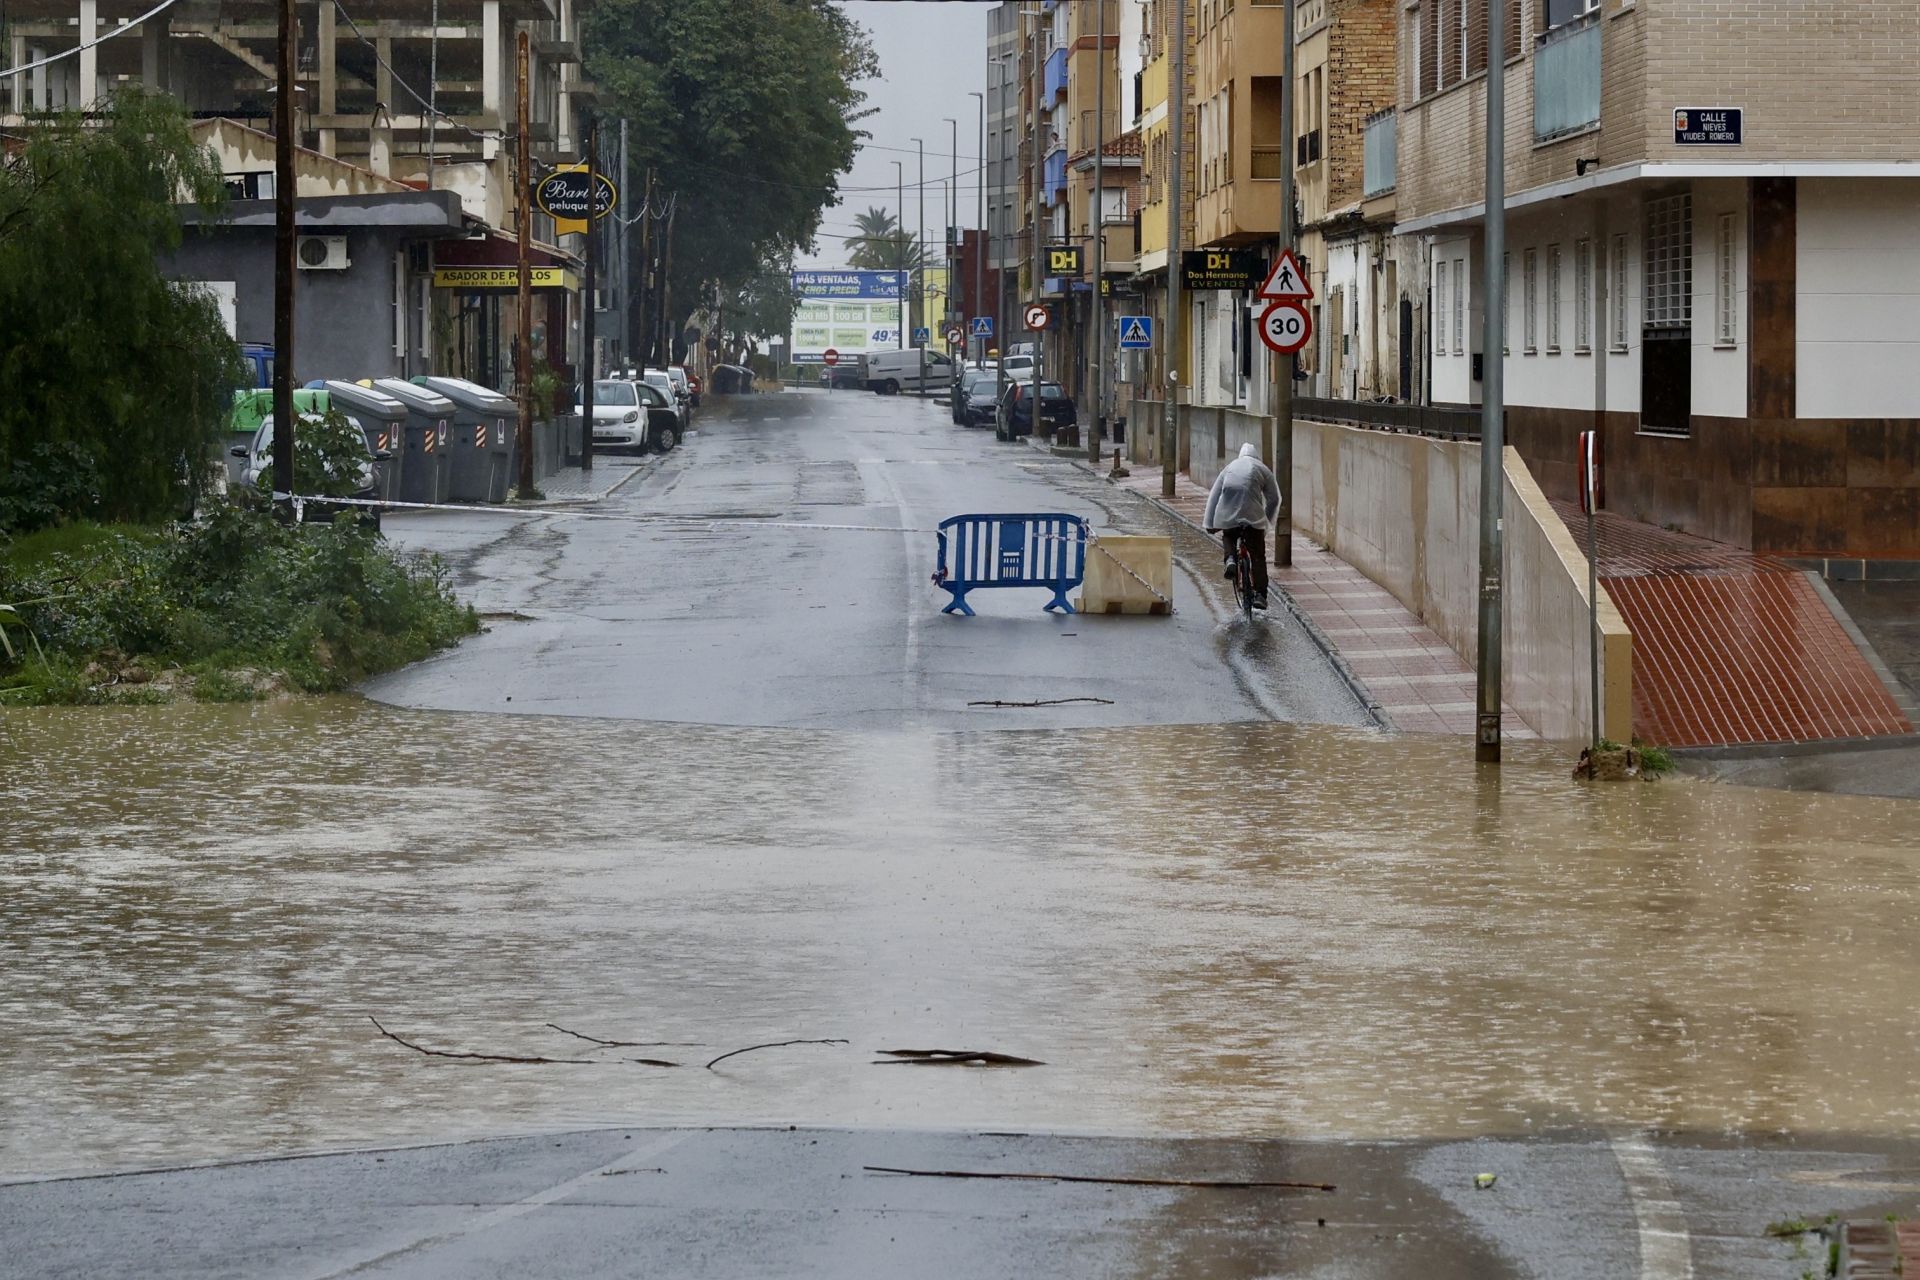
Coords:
322,253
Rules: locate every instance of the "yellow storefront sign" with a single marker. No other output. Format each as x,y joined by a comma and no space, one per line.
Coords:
503,278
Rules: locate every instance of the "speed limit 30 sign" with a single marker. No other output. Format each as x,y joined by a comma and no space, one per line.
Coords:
1286,327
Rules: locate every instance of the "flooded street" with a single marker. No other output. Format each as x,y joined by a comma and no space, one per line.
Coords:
1237,929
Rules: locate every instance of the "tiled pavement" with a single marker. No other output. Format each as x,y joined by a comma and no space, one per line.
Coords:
1416,679
1732,647
610,472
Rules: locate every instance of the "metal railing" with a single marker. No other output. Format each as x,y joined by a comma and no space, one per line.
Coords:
1566,79
1380,167
1268,161
1443,422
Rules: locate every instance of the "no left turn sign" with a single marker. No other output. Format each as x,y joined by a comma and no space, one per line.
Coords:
1286,327
1036,315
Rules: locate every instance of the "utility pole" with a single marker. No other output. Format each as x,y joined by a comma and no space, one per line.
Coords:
1097,424
625,272
523,223
981,239
1493,403
284,270
666,291
586,328
920,243
900,253
642,306
1279,449
1039,171
1177,118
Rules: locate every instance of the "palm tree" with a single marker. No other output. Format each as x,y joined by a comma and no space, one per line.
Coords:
882,245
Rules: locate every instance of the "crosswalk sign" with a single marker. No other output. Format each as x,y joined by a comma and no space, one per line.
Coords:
1136,333
982,326
921,335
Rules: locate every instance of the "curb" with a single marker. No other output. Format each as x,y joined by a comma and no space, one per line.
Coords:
1355,685
579,500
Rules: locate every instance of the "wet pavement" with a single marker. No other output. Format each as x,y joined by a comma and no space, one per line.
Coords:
1252,930
753,578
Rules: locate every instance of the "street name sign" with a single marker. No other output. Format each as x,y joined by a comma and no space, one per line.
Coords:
1288,281
1286,327
1036,315
1136,333
1707,126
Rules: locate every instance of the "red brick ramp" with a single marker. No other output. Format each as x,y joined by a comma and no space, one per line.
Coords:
1731,647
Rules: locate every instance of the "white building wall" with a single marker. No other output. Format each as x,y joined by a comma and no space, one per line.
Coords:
1719,368
1214,317
1859,298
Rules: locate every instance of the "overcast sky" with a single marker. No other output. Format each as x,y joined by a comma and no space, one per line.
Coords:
931,57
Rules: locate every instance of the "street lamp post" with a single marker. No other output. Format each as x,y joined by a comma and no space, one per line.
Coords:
920,266
1097,427
1177,121
981,239
1039,168
1493,405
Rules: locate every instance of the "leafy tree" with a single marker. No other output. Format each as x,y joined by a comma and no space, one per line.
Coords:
103,355
883,246
746,111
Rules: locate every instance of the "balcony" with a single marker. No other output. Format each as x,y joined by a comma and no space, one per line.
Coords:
1381,162
1566,79
1055,76
1269,163
1056,177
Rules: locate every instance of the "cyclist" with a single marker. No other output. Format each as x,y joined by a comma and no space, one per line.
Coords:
1244,499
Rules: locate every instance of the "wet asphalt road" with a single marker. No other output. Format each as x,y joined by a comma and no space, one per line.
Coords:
733,1204
739,583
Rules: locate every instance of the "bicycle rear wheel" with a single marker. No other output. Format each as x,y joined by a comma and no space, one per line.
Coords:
1243,581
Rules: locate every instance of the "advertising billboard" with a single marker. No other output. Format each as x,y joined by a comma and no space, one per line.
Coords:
850,311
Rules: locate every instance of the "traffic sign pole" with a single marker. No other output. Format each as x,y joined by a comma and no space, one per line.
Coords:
1279,453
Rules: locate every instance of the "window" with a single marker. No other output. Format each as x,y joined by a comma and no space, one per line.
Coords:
1583,296
1619,298
1553,299
1448,42
1506,305
1440,308
1724,328
1531,303
1459,306
1557,13
1669,263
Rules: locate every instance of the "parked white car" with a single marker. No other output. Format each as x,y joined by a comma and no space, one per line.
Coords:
633,415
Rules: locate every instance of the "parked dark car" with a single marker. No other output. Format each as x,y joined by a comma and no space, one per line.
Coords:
1016,409
848,375
963,387
983,401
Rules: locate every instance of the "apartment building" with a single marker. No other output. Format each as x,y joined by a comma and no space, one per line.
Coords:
1145,375
1370,291
1006,127
1713,250
396,107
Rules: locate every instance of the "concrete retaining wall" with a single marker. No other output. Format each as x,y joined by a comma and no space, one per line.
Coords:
1404,510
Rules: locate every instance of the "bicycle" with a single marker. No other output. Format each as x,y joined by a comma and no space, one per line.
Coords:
1243,578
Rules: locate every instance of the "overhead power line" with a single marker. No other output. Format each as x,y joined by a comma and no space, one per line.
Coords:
50,59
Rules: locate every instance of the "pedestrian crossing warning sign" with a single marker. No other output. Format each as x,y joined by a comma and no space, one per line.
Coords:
1288,280
1136,333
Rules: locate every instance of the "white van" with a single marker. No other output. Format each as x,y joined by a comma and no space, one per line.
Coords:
891,372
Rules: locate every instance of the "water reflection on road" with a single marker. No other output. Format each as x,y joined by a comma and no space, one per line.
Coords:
1259,929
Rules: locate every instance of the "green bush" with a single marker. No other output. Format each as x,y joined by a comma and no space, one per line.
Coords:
323,605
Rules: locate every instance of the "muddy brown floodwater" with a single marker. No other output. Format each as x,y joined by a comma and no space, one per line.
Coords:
1247,930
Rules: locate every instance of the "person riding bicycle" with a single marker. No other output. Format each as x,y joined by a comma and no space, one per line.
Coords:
1245,498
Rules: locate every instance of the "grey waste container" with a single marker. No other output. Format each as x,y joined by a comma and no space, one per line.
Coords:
484,425
384,419
430,439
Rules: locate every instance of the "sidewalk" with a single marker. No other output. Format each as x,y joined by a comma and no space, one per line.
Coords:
571,485
1415,678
